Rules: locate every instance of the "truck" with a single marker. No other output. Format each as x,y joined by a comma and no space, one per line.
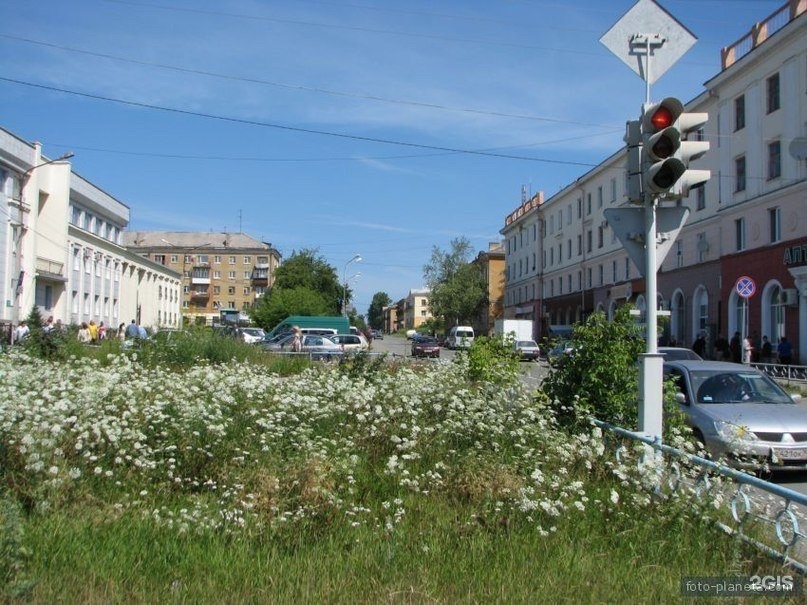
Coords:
517,329
339,323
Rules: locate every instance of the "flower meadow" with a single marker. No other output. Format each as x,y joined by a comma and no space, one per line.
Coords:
234,450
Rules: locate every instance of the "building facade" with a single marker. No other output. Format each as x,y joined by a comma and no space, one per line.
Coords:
220,271
491,263
748,221
62,248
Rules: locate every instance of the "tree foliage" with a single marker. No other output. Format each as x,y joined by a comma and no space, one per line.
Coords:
281,303
305,284
457,287
375,314
601,377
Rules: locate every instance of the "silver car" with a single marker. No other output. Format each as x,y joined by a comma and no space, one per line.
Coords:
741,414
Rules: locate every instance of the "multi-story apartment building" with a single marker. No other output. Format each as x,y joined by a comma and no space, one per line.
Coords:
749,220
61,248
220,271
409,312
491,262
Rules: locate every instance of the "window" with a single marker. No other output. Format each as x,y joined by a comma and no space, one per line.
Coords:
159,258
232,260
599,196
588,204
231,275
627,268
702,247
774,159
216,274
599,237
174,258
231,290
588,240
774,218
613,190
247,260
739,237
679,253
701,197
773,93
580,207
216,289
217,260
739,174
739,113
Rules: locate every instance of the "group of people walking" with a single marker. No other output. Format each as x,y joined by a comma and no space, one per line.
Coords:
88,332
748,350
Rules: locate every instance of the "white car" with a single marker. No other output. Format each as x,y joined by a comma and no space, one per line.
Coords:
252,335
351,342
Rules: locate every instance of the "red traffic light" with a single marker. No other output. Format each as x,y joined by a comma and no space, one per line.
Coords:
661,118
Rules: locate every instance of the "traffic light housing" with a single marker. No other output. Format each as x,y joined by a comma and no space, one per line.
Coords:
666,152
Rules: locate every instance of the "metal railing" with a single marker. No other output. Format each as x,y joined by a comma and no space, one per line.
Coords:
784,373
775,508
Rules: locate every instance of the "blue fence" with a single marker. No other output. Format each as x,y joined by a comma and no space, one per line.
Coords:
779,512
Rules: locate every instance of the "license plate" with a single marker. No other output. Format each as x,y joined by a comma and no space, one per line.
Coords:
795,453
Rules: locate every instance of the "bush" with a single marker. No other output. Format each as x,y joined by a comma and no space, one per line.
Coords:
492,360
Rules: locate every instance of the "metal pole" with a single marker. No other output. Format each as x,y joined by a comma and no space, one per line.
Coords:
652,363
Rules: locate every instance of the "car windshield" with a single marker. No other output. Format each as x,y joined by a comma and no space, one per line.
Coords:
523,344
252,331
718,386
426,340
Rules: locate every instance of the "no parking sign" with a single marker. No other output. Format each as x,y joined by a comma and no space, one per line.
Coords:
745,287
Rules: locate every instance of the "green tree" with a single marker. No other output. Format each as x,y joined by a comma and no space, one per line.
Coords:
283,302
375,313
308,269
457,287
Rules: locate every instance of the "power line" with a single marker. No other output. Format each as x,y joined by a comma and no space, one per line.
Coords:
293,128
314,89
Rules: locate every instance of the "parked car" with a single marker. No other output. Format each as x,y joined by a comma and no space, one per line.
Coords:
378,335
318,346
460,337
253,335
740,414
527,349
350,342
679,354
564,347
425,346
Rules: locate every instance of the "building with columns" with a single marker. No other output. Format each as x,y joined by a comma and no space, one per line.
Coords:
62,249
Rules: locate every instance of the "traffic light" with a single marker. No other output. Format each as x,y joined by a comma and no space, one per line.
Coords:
633,139
666,152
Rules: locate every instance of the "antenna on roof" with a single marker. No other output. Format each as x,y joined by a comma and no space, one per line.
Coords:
523,193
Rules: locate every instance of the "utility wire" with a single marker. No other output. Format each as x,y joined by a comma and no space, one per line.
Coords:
339,135
298,87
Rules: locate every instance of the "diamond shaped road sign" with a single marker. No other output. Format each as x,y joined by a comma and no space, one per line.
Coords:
628,225
645,27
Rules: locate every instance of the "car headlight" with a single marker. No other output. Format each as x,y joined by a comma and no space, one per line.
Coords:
734,432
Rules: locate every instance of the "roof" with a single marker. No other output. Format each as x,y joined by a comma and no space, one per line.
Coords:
192,239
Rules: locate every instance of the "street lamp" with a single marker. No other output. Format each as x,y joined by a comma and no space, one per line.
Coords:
356,258
19,229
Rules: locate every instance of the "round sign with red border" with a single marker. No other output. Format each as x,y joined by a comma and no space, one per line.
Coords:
745,287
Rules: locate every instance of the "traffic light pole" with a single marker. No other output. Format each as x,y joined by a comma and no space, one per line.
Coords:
652,362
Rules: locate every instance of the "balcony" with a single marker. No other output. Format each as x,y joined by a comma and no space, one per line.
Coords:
200,294
50,270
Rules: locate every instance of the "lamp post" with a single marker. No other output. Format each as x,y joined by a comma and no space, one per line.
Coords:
356,258
19,229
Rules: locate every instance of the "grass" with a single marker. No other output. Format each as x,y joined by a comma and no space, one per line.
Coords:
440,554
159,476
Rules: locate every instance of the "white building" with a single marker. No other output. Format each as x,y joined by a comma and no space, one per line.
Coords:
750,219
61,248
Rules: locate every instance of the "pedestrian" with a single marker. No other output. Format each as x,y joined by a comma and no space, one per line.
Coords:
93,332
699,346
141,333
84,336
766,351
22,332
48,325
102,331
131,330
748,350
735,348
59,327
296,341
784,351
122,331
756,346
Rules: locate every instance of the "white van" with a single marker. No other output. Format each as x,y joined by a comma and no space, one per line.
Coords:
460,337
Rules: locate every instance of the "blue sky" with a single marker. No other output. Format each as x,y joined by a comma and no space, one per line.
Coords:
364,127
